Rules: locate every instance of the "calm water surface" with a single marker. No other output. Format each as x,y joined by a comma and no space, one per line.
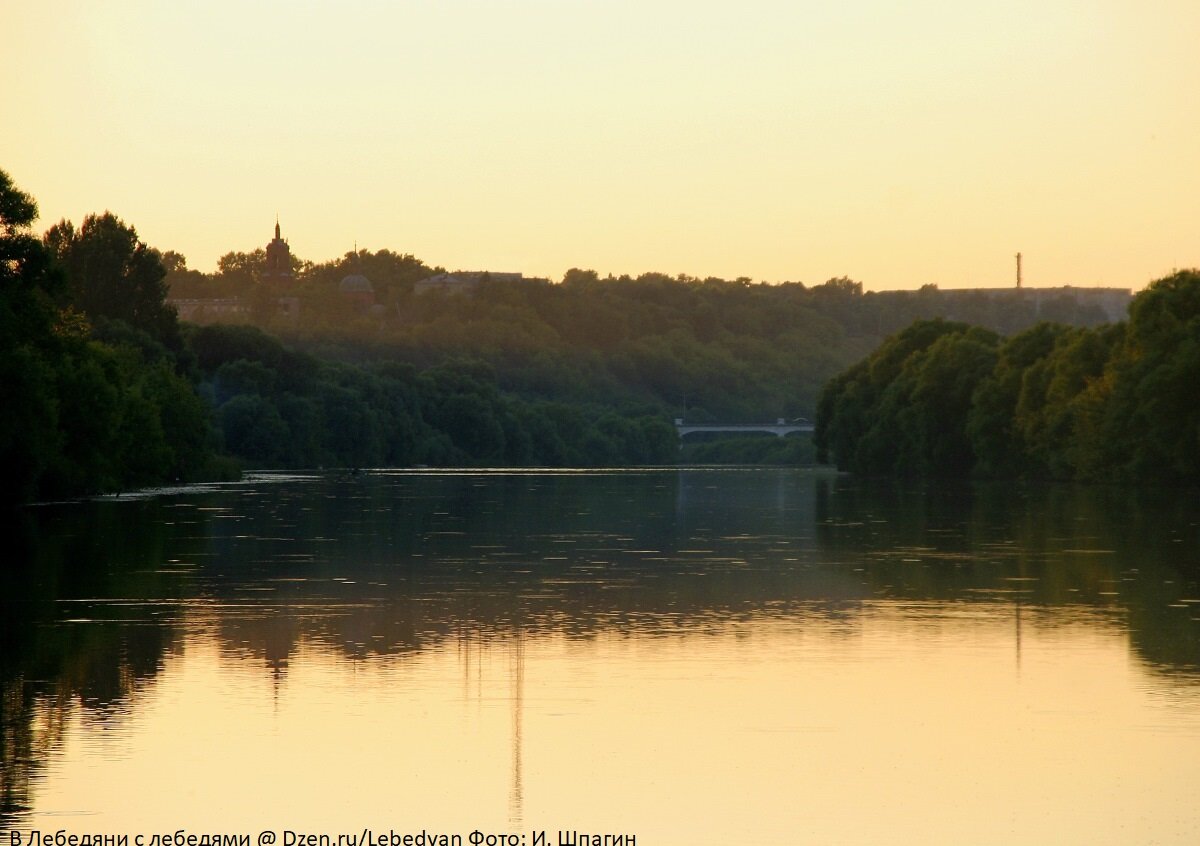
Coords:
694,657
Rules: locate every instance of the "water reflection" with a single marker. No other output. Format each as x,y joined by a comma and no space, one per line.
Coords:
1131,556
390,570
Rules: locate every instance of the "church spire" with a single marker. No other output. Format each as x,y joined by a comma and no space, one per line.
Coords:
278,267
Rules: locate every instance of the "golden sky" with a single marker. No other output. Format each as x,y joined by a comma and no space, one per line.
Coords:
898,142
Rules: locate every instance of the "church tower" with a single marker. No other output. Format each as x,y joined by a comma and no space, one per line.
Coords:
278,271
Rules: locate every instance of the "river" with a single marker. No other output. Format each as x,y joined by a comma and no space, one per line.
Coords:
686,656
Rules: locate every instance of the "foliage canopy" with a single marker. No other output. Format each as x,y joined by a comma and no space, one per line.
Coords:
1108,403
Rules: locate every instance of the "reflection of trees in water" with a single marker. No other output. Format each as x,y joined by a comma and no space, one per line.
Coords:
52,666
391,565
1134,552
420,557
96,670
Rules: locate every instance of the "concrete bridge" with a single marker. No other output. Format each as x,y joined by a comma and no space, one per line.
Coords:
779,428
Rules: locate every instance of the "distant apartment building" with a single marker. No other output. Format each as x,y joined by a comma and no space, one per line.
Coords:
202,310
461,281
1113,302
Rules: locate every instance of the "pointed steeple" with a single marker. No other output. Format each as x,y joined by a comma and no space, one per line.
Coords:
278,268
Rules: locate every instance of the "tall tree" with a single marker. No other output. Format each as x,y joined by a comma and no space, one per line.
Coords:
113,275
29,436
28,279
1152,424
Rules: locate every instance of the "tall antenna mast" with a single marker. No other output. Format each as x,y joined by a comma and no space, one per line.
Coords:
1018,270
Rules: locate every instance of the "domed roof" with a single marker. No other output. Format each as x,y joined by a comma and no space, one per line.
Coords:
355,283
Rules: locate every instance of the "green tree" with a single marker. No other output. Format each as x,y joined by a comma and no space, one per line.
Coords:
88,383
30,439
184,283
934,422
112,274
575,276
253,429
1151,421
242,269
1056,401
184,418
859,421
350,426
29,281
93,398
217,344
999,444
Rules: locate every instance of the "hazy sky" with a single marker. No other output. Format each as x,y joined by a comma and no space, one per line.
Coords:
898,142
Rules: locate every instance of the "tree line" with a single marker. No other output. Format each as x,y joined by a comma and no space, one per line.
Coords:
106,389
707,349
1113,403
274,406
97,388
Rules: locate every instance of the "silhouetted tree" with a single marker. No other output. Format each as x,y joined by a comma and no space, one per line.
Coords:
112,274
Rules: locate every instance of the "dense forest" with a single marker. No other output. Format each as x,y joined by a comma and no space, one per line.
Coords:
1109,403
704,349
98,394
283,408
108,389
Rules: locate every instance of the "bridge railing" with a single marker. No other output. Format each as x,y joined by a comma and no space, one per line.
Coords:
779,428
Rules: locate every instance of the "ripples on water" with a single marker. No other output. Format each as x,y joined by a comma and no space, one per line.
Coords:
692,656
